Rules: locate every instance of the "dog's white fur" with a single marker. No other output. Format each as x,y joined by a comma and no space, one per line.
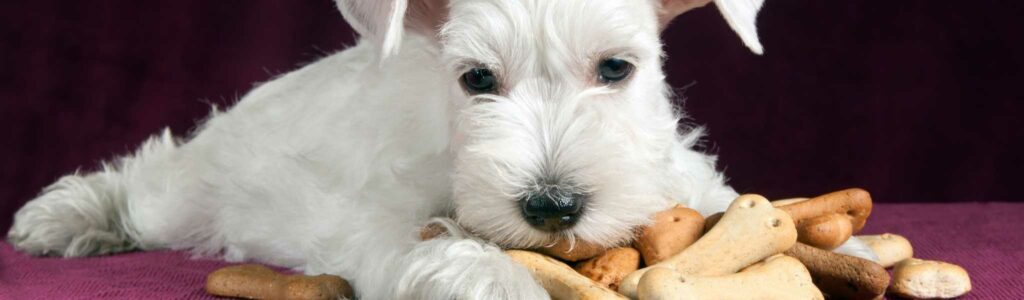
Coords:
333,168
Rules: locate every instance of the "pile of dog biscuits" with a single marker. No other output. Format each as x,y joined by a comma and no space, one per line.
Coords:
755,249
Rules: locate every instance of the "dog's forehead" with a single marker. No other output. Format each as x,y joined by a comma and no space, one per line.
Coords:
519,34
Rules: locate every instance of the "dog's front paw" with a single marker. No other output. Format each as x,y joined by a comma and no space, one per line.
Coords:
465,269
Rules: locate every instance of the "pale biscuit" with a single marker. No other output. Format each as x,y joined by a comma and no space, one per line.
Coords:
890,248
928,279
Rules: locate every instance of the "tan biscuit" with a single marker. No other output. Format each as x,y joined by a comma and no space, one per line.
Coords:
610,267
842,276
750,230
788,201
673,230
253,281
890,248
778,277
854,202
580,251
926,279
826,232
561,281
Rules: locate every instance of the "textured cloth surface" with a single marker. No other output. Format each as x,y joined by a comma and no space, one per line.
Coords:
987,239
984,238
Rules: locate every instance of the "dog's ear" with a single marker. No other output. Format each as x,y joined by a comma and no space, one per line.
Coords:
740,14
385,21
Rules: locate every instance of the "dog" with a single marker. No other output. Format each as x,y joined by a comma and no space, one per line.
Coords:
513,123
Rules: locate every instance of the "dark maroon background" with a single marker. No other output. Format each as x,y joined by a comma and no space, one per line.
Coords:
912,100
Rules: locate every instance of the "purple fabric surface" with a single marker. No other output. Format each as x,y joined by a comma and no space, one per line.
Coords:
984,238
137,275
134,275
987,239
891,96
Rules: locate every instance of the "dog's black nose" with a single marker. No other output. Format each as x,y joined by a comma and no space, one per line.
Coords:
552,213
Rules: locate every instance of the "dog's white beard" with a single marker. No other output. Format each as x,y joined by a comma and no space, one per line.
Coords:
512,143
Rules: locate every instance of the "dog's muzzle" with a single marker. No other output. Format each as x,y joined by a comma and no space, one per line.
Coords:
552,211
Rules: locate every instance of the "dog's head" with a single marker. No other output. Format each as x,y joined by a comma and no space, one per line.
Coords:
564,127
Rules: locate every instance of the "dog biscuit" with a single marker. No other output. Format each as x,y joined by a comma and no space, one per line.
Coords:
610,267
673,230
890,248
253,281
842,276
749,231
778,277
928,279
561,281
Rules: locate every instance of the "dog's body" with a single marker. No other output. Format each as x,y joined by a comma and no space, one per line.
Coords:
333,168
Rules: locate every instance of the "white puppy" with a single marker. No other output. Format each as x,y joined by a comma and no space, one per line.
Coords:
525,121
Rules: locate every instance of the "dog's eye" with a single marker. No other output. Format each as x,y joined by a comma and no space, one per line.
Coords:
613,70
479,81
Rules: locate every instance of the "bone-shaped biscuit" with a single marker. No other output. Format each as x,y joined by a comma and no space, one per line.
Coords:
561,281
842,276
778,277
673,230
854,202
609,268
749,231
825,232
253,281
572,251
827,221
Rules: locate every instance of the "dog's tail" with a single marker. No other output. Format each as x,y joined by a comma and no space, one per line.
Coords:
81,215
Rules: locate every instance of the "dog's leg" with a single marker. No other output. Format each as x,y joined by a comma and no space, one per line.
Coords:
454,266
82,215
